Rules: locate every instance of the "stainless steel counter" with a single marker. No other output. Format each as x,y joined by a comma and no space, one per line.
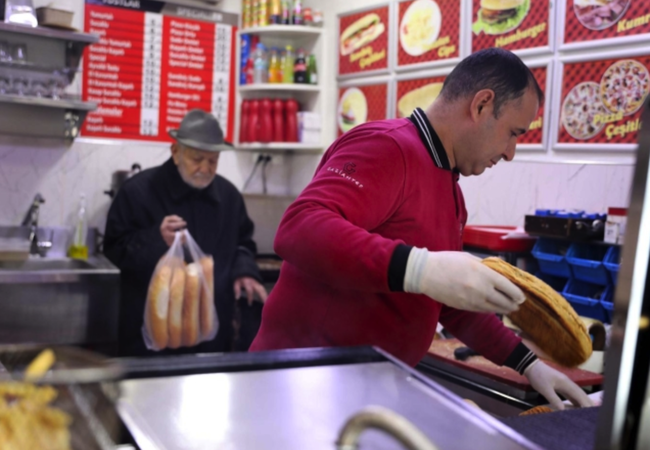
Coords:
300,408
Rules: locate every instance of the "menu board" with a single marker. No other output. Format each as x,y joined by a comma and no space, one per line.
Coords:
429,31
155,62
417,93
361,104
510,24
601,100
535,133
363,41
593,20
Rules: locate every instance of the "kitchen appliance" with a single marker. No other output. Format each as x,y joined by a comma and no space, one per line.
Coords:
119,177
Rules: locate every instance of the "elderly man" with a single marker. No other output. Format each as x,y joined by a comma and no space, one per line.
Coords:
371,247
185,192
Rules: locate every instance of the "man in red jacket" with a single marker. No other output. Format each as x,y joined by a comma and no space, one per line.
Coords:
372,246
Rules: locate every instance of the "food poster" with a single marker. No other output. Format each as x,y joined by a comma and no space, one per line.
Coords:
510,24
429,31
417,93
601,100
361,104
590,20
535,133
363,41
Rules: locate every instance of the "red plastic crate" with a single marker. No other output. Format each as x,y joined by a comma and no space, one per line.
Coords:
489,237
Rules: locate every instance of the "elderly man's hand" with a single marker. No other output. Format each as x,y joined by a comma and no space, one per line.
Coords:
169,226
547,381
251,286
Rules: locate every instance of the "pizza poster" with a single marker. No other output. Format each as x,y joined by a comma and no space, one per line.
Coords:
429,31
361,104
155,62
417,93
363,41
510,24
590,20
535,133
601,100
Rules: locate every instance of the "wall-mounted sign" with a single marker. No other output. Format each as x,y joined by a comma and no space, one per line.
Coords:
363,39
535,136
360,104
154,62
417,93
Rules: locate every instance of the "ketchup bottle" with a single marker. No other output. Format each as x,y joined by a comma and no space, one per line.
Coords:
254,122
278,121
243,122
266,123
291,121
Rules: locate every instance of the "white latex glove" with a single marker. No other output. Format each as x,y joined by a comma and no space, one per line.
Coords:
461,281
547,381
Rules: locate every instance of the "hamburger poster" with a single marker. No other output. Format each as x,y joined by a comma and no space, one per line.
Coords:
417,93
363,41
361,104
593,20
510,24
429,31
601,100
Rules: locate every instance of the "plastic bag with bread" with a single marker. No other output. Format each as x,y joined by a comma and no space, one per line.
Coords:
180,310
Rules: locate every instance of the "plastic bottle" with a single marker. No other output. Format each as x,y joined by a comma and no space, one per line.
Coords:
283,63
266,122
291,121
275,70
261,65
78,249
253,121
287,70
312,71
250,70
243,122
300,68
276,12
297,12
278,121
286,12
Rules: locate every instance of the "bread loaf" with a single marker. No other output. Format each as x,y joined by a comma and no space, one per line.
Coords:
546,317
158,306
207,314
191,327
177,292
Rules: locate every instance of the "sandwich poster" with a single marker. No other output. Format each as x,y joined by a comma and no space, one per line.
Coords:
417,93
429,30
510,24
363,41
601,100
590,20
535,133
361,104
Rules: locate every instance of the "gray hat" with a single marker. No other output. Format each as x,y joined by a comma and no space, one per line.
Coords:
201,131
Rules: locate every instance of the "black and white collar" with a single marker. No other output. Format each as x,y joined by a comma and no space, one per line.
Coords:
430,139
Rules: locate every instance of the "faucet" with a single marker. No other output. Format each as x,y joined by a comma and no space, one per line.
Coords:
31,220
385,420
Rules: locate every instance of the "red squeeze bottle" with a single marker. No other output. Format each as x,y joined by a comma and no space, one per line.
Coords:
266,123
243,122
278,121
291,121
254,122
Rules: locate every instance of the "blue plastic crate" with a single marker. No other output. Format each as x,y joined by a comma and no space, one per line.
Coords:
550,255
613,262
586,261
557,283
609,310
587,299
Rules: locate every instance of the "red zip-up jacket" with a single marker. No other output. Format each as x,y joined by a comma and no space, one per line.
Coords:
379,189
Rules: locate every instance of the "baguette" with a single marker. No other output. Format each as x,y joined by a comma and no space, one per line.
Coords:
546,317
207,298
191,306
158,306
177,292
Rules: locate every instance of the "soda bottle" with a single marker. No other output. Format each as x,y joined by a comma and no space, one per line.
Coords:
275,71
286,12
297,12
261,65
312,72
287,70
300,68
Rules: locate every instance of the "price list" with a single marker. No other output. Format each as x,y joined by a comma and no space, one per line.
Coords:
154,63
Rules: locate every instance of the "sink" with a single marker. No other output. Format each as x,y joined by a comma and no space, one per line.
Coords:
46,264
